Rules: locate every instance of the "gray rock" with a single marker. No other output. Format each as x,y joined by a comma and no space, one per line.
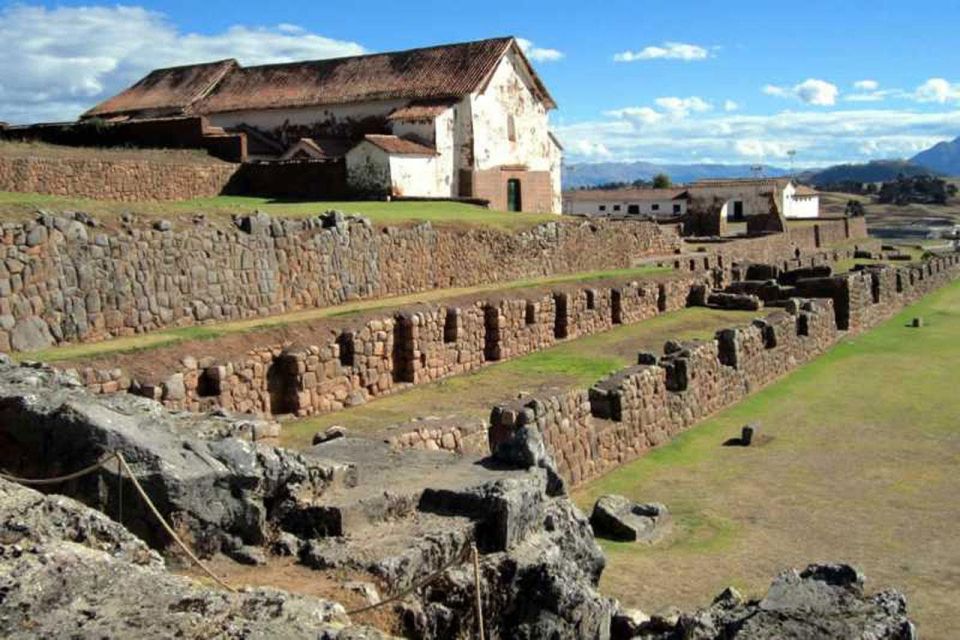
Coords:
36,235
618,518
163,225
331,433
67,571
823,601
627,623
174,388
30,334
214,488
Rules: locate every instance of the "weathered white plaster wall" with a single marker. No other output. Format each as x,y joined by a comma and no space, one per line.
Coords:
802,207
416,176
441,134
509,93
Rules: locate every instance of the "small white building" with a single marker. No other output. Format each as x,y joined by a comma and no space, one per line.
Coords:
458,120
749,197
658,203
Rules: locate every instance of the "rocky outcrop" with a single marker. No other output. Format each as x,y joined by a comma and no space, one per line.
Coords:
822,601
216,488
401,517
68,571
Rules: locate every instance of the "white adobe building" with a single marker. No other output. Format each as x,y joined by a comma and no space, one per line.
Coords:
459,120
748,197
659,203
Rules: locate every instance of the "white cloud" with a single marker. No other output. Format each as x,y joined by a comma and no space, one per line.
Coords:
538,54
637,115
753,148
866,85
66,59
591,150
821,137
667,51
671,108
730,105
681,107
938,90
811,91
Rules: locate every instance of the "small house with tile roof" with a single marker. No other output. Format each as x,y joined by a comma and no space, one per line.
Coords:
458,120
743,198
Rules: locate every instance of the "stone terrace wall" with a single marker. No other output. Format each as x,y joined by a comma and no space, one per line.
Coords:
333,369
835,234
590,432
381,355
63,280
115,179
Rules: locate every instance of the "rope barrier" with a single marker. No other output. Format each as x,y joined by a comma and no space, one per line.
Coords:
460,558
168,528
59,479
124,468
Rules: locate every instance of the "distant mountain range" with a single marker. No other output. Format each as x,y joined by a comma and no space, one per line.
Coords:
941,159
875,171
591,174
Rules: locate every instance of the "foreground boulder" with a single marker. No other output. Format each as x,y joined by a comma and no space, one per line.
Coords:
822,601
618,518
216,488
69,571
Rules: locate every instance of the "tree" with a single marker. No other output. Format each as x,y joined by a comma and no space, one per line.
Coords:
661,181
854,209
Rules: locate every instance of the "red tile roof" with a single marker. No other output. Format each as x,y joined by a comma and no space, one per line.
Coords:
165,92
421,110
431,73
399,146
320,148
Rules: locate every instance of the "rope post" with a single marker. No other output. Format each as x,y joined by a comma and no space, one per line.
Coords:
476,583
119,490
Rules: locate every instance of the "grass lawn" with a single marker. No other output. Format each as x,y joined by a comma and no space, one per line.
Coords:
861,468
24,205
167,337
570,364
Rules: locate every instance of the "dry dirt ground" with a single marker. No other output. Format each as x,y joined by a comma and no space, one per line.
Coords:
579,362
860,466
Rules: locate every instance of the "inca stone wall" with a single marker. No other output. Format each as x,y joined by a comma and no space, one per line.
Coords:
331,369
115,179
591,431
343,368
71,279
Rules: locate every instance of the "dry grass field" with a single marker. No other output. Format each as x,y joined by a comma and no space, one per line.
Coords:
861,467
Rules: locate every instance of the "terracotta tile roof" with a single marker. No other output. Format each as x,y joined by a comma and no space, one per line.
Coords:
399,146
165,92
624,195
737,182
421,110
320,148
432,73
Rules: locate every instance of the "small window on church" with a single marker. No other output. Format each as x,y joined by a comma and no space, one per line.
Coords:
511,128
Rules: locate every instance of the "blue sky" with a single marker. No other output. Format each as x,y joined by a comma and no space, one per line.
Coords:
643,80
